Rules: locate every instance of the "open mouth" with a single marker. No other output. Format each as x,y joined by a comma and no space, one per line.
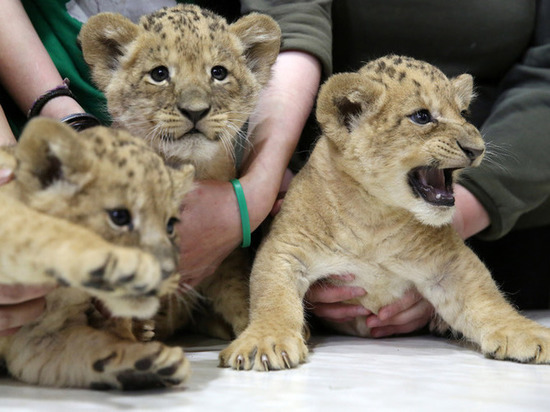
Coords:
434,185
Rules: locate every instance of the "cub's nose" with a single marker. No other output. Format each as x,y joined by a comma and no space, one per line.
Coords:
194,115
471,153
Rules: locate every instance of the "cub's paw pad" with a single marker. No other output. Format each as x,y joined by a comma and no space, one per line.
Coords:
132,380
126,270
162,368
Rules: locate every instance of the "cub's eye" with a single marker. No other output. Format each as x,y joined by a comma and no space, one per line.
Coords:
421,117
465,114
159,74
172,222
121,217
219,72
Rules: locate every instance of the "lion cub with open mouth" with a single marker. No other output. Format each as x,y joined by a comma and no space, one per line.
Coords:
376,199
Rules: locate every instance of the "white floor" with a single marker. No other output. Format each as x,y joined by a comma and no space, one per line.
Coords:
343,374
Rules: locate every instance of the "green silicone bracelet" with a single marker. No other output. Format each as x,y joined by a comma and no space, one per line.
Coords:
245,219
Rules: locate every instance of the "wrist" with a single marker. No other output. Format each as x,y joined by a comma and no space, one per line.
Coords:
261,194
61,107
470,216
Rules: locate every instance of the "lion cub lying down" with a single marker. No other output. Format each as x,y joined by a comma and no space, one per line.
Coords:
376,200
95,212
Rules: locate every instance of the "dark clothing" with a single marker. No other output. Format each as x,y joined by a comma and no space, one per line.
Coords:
505,45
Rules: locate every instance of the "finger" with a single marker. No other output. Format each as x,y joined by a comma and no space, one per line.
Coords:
409,299
5,175
405,322
323,292
12,294
14,316
339,312
420,310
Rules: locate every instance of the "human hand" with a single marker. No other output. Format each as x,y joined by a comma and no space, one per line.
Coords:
210,229
5,176
326,300
20,304
407,314
470,216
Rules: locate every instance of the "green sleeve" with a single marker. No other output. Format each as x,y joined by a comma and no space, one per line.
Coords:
513,182
306,25
58,32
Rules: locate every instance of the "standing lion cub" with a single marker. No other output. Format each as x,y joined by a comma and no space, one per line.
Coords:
376,199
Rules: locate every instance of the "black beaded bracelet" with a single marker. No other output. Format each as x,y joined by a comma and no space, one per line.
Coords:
61,90
81,121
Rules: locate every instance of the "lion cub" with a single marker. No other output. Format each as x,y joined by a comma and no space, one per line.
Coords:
376,199
186,81
93,212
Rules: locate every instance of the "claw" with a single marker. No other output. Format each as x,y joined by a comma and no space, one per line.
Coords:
265,362
240,362
286,360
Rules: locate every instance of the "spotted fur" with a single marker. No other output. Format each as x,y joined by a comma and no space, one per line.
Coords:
94,213
375,199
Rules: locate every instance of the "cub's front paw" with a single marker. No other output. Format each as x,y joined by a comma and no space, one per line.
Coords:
525,344
265,351
128,271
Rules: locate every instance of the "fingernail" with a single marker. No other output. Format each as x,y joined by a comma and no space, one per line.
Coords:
363,311
5,173
373,321
383,315
358,292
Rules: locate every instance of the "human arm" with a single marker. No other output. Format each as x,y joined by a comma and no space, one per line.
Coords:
6,136
211,222
26,69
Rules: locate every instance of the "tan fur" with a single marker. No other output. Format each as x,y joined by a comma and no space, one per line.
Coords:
189,42
189,117
61,229
352,210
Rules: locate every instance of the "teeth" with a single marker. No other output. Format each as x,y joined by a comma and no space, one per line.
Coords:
438,196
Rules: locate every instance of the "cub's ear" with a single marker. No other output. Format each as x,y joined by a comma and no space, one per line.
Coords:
48,152
183,179
464,89
104,39
261,38
344,98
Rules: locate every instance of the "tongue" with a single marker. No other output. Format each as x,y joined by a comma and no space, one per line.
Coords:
433,186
